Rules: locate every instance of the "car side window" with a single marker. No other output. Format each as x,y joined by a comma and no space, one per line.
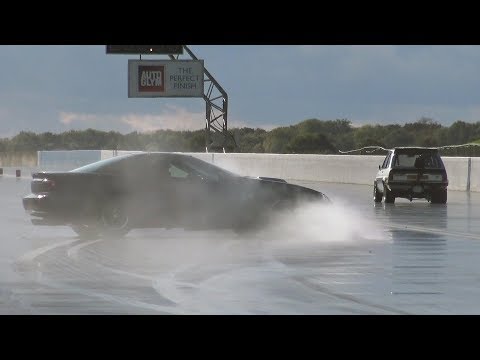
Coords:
386,161
175,172
166,169
432,161
160,168
389,160
132,167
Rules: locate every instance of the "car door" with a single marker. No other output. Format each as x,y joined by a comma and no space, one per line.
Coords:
383,172
163,193
197,194
149,196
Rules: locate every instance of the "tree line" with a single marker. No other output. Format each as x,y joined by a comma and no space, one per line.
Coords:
311,136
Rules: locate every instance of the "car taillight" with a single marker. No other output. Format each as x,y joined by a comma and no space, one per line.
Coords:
42,185
49,184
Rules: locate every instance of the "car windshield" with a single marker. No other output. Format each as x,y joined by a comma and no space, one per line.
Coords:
411,158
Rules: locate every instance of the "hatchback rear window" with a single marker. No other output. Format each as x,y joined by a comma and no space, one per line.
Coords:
431,160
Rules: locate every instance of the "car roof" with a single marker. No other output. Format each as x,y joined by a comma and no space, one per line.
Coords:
415,148
154,153
123,157
166,153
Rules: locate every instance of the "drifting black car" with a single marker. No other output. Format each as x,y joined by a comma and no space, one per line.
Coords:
411,173
166,190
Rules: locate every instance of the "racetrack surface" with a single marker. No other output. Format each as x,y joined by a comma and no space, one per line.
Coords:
348,258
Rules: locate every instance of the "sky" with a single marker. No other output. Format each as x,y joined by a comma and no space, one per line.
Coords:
57,88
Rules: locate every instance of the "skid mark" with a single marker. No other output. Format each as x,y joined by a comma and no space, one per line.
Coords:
433,231
30,256
72,252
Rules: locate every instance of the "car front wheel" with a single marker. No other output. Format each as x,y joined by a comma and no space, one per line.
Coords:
388,197
114,220
377,197
86,231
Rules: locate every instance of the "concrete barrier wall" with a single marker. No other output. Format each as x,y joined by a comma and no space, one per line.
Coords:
475,174
66,160
11,171
457,172
352,169
347,169
106,154
20,158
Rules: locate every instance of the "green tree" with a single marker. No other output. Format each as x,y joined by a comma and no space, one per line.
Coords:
370,135
398,136
276,140
459,132
24,141
424,131
196,141
310,144
249,139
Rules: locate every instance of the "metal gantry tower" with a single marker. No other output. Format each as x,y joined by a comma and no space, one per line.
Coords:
217,136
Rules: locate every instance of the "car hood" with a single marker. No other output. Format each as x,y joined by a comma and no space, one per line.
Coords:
280,185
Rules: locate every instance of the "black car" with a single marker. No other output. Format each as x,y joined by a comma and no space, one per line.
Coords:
411,173
166,190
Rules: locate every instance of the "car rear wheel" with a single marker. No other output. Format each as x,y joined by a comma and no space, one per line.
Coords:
439,197
114,220
248,226
388,197
251,221
377,197
85,231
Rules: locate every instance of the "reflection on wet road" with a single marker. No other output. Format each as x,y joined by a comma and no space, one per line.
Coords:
352,258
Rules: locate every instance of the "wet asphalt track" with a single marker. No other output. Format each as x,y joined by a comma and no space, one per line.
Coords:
351,258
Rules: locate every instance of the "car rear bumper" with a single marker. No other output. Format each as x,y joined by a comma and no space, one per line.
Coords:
33,203
415,189
43,210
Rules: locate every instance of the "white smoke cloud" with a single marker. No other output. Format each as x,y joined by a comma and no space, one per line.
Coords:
68,118
237,123
172,118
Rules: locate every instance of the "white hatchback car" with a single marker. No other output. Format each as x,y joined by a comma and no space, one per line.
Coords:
411,173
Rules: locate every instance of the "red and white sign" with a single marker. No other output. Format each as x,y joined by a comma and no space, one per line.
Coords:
165,78
151,78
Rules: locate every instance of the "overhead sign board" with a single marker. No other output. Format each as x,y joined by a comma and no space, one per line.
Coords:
145,49
165,78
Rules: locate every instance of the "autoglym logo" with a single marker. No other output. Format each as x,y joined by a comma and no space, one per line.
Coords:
151,78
